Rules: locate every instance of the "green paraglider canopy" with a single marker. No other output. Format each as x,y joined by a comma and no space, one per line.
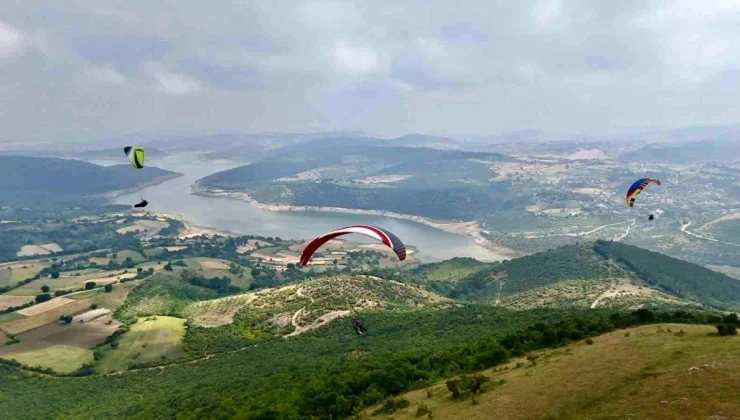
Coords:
135,156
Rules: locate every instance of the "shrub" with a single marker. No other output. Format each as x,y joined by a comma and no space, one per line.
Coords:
589,341
422,410
726,329
43,297
391,405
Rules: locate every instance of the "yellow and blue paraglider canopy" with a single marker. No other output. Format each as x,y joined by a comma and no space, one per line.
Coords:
135,156
637,188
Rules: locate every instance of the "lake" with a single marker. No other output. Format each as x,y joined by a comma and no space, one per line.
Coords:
238,216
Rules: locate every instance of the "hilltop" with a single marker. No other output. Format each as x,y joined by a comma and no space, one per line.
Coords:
672,371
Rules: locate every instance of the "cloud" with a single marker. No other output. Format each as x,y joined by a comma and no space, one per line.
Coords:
11,40
104,75
354,59
175,84
479,67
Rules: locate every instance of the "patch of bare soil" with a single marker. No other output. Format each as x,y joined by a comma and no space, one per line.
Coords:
46,306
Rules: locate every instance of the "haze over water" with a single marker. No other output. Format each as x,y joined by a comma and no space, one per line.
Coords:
239,216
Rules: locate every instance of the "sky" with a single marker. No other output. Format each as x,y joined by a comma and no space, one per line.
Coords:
83,70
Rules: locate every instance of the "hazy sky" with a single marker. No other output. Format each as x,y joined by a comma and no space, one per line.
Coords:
86,69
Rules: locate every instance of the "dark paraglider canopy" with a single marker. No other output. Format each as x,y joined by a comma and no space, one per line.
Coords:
142,204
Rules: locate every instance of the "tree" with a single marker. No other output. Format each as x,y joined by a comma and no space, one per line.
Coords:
139,269
55,274
43,297
168,267
67,319
90,285
45,289
108,288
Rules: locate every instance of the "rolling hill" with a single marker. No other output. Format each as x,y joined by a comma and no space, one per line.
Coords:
601,273
368,174
26,180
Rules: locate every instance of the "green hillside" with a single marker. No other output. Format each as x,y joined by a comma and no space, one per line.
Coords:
677,277
668,371
589,269
328,373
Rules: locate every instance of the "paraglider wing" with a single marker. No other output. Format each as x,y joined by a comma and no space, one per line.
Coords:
135,156
637,188
387,238
142,204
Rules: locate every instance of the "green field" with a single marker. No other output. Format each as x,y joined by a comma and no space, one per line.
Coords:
149,340
135,256
111,300
11,275
67,282
61,358
646,374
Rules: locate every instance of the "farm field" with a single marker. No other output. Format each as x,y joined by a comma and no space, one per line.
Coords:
150,339
43,249
645,372
120,257
98,324
111,300
10,301
71,282
12,274
61,358
17,325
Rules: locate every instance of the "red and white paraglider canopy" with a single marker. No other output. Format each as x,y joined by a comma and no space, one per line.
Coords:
388,239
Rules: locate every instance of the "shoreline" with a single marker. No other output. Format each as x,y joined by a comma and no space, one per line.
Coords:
470,229
151,183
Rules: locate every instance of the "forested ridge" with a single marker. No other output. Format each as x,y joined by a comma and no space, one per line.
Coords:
597,261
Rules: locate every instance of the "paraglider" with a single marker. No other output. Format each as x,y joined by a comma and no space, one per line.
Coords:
637,188
359,327
387,238
651,217
135,156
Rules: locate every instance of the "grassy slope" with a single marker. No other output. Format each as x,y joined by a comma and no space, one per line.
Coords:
61,358
645,375
10,275
148,340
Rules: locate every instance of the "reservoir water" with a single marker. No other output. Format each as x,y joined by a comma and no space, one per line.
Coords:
239,216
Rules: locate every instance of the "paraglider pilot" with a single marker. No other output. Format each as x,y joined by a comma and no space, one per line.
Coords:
359,327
